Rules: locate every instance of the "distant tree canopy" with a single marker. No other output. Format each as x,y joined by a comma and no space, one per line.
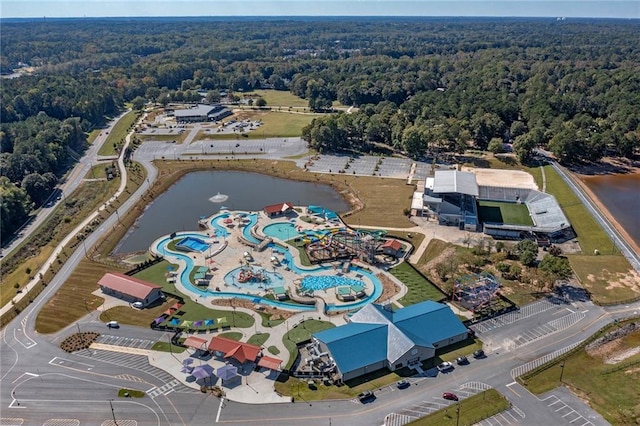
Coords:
420,85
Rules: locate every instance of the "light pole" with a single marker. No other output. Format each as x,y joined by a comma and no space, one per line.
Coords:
458,414
113,412
561,370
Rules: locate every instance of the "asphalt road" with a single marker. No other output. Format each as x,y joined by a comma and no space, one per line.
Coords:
71,181
40,383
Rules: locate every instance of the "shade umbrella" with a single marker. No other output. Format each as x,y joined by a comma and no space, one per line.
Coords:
202,371
197,323
159,320
227,372
186,369
187,361
208,322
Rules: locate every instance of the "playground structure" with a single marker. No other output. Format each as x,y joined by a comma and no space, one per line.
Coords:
251,275
343,244
476,291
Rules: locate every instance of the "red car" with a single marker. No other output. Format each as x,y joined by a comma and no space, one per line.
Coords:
450,396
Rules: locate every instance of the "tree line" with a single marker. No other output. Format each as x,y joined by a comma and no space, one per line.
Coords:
420,85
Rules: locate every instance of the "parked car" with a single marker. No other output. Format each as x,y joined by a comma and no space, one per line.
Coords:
137,305
450,396
113,324
365,396
403,384
479,354
445,366
462,360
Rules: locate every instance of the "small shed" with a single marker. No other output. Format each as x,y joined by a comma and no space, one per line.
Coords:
392,247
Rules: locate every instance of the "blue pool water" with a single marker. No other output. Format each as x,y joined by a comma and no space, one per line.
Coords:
262,279
194,244
281,230
221,231
161,247
323,282
246,232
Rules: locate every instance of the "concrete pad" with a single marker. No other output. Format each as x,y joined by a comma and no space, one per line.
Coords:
506,178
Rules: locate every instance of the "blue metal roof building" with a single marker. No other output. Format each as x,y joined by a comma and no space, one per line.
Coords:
377,337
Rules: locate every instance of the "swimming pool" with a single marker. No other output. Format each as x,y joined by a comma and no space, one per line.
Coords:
323,282
192,244
282,230
253,278
161,248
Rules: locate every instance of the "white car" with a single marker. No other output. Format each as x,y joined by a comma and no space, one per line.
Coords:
445,366
137,305
113,324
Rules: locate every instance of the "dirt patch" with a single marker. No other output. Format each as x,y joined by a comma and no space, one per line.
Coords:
621,356
619,280
503,177
606,166
389,287
607,348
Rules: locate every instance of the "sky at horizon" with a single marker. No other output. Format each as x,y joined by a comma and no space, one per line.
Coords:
167,8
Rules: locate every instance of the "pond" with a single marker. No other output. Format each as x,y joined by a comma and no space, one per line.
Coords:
185,202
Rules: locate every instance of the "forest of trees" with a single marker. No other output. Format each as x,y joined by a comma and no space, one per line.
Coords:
422,85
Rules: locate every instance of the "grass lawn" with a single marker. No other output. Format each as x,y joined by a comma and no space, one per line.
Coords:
258,339
130,393
119,132
611,389
192,311
167,347
601,284
469,411
300,333
233,335
74,299
275,124
500,212
178,137
282,98
591,236
419,288
92,135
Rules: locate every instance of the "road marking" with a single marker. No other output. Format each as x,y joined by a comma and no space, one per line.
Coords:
62,361
62,422
11,421
509,387
25,374
220,409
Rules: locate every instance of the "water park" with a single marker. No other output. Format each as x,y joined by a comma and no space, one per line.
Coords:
299,259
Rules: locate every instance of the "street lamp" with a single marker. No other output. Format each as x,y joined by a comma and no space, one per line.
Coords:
458,414
561,370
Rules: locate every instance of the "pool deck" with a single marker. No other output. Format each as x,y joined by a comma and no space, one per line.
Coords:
227,253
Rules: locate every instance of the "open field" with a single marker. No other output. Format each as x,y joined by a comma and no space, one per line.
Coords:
502,212
117,135
74,299
469,411
177,137
275,125
612,389
599,274
419,288
279,98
